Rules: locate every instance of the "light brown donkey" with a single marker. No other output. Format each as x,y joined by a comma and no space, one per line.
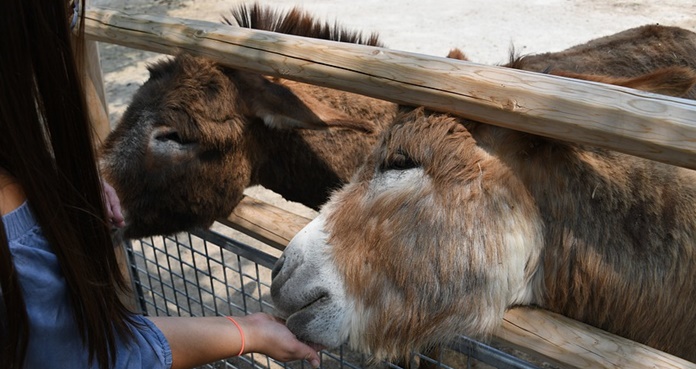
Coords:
450,222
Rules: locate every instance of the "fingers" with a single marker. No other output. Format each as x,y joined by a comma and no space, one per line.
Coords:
287,347
113,205
313,359
302,351
311,349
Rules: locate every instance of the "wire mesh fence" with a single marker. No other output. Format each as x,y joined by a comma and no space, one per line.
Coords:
206,273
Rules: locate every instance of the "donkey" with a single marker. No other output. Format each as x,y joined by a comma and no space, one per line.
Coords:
630,53
196,134
450,222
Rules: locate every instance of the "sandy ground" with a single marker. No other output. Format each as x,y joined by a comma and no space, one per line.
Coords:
485,29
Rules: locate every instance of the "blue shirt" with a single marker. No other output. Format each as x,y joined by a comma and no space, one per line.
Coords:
54,341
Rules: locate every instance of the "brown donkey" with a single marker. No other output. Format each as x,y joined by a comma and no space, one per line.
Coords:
197,134
636,51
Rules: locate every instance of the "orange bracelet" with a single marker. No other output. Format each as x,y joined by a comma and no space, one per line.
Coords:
241,332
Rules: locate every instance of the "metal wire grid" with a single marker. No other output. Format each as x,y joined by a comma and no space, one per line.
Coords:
204,273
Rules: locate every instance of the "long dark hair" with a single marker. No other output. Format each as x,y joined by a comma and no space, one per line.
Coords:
45,143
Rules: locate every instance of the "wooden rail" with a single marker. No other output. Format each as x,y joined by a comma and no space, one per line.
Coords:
265,222
652,126
99,118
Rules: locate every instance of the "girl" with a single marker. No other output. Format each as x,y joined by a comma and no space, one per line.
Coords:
58,273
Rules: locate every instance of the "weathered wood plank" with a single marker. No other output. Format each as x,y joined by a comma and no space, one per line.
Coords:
265,222
579,345
99,118
94,90
656,127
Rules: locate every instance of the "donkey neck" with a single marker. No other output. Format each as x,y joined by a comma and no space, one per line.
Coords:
614,226
306,165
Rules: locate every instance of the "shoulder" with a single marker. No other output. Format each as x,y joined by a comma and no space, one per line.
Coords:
11,193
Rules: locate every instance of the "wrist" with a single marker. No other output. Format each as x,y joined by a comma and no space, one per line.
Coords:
241,334
253,327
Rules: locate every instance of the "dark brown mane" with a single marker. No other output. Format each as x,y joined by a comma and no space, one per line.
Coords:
515,61
522,62
295,22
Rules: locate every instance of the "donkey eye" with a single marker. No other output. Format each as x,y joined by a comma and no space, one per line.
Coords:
167,134
399,161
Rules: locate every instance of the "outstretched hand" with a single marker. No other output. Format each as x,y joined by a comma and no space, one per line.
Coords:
195,341
268,335
113,206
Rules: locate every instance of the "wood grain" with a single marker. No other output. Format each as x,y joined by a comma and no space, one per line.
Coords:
265,222
578,345
99,118
94,89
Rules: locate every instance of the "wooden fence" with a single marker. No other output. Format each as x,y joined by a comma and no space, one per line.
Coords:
652,126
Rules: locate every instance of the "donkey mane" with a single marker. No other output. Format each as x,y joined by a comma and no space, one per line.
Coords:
519,61
296,22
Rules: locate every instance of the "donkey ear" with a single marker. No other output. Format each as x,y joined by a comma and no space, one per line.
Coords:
672,81
281,107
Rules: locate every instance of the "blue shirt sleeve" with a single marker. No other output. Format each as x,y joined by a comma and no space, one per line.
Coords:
54,340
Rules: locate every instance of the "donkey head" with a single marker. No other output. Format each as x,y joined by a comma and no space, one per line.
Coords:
185,149
197,134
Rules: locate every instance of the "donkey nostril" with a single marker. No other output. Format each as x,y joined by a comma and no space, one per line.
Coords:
278,266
